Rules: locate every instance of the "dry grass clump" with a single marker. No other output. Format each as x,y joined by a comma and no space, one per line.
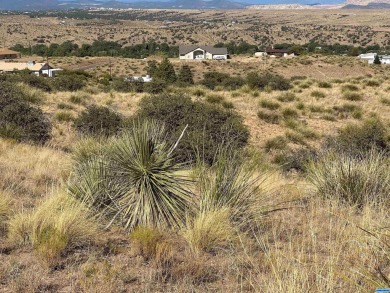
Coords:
353,180
4,211
352,96
209,230
60,223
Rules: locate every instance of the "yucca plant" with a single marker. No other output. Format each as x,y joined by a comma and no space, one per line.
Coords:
135,180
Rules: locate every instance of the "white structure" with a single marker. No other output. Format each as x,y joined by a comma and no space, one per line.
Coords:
36,68
260,54
370,57
145,78
196,52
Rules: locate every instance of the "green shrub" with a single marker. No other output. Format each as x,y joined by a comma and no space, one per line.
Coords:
318,94
269,117
273,81
214,99
213,79
385,101
155,87
287,97
358,140
295,160
97,120
227,105
78,98
64,116
372,83
352,180
69,81
126,86
276,143
289,113
351,96
268,104
324,84
208,125
18,119
232,83
349,88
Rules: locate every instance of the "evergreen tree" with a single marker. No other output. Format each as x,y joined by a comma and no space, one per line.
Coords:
377,60
152,68
185,75
166,72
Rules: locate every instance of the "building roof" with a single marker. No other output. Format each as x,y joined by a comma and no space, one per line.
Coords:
276,51
12,66
189,48
5,51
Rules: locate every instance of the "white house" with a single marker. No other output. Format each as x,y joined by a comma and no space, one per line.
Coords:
196,52
34,67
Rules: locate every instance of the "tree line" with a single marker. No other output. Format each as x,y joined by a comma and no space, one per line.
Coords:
111,48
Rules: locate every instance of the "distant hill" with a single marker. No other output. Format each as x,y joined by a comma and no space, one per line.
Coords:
27,5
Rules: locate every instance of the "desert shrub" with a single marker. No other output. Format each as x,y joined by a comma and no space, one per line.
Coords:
273,81
64,116
268,104
372,83
358,140
19,120
276,143
78,98
232,83
199,92
324,84
36,82
98,120
318,94
60,223
352,180
209,230
289,113
351,96
64,106
269,117
286,97
208,125
136,180
213,79
214,99
69,81
295,160
385,101
125,86
227,105
349,88
155,87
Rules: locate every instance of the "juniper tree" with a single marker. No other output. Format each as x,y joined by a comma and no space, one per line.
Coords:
185,75
166,72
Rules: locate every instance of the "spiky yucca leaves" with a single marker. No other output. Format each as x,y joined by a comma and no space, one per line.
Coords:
135,180
231,183
355,180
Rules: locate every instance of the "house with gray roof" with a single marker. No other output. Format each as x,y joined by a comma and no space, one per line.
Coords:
197,52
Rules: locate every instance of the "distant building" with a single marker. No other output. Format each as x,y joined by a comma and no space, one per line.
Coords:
196,52
36,68
145,78
370,57
279,52
8,54
260,54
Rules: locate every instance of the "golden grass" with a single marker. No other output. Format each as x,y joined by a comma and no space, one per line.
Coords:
209,231
59,223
